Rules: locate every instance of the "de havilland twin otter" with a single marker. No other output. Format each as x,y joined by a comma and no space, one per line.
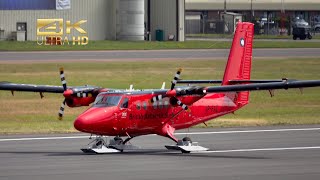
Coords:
132,113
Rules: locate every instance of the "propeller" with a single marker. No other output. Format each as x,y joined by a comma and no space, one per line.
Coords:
80,92
172,93
175,79
183,106
61,111
173,84
64,84
63,79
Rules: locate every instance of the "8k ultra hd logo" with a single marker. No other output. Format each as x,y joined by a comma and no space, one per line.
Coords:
58,32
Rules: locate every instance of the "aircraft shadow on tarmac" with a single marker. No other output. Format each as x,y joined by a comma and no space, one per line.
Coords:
153,152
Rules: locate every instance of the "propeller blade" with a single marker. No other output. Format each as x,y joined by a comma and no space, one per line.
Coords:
61,111
184,107
175,79
173,84
63,80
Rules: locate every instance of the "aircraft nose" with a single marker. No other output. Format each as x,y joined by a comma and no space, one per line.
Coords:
95,120
80,124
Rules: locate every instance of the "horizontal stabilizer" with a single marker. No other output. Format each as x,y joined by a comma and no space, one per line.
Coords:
199,81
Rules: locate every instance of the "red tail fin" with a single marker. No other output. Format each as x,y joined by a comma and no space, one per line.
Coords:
239,62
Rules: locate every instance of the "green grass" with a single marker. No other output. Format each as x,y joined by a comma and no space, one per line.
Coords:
146,45
27,113
263,36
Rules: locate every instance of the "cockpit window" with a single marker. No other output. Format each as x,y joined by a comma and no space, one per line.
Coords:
106,101
125,103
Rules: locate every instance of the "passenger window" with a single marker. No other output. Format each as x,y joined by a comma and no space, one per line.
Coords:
138,106
160,105
166,104
145,105
155,105
125,103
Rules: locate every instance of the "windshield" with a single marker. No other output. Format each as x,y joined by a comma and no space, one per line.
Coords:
106,101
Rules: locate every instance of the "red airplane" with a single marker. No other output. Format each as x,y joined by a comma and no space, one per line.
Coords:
132,113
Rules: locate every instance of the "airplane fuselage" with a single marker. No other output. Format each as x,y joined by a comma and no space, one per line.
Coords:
140,117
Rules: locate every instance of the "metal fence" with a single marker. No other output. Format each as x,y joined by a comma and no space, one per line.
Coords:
275,26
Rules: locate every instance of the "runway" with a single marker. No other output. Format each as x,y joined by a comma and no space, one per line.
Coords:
152,54
289,152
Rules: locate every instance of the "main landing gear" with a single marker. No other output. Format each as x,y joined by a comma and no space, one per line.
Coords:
186,146
99,145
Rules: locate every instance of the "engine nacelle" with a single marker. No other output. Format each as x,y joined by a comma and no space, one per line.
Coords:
187,100
79,101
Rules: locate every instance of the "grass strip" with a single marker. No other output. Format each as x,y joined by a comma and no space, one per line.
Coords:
146,45
27,113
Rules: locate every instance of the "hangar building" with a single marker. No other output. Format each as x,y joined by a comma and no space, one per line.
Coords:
135,19
202,13
106,19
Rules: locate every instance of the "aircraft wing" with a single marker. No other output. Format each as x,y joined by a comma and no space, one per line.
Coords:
74,96
264,86
248,87
73,91
231,81
30,87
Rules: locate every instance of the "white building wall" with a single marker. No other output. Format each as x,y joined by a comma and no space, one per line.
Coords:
181,19
99,14
130,20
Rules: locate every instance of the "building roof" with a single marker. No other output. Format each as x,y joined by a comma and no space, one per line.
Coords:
256,5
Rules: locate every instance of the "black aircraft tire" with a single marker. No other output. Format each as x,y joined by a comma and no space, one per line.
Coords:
185,152
117,138
187,139
98,143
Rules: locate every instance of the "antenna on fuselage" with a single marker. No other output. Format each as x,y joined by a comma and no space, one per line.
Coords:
163,85
131,87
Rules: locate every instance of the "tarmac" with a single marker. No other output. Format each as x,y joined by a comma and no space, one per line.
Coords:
289,152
